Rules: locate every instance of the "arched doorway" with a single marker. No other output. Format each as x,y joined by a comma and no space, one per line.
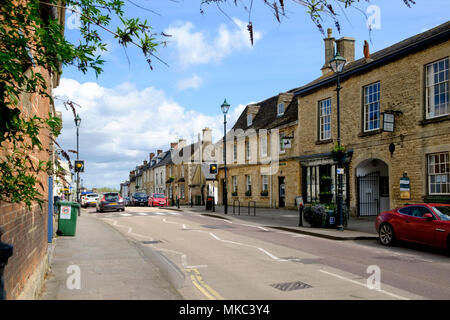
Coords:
373,187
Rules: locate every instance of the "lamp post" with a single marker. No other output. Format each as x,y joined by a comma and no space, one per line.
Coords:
225,106
337,65
77,124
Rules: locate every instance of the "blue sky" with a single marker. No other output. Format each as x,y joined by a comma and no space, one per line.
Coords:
129,110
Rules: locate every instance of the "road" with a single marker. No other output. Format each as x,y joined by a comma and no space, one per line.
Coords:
211,258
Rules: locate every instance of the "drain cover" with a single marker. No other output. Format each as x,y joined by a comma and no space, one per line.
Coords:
151,242
290,286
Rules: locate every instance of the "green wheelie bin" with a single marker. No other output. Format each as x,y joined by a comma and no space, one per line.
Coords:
67,217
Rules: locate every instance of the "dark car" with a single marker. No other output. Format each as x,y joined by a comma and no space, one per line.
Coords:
427,224
139,198
110,201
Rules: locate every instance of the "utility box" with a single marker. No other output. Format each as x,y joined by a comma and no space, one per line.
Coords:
67,217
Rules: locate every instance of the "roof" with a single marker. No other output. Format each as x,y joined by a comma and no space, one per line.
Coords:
439,33
166,159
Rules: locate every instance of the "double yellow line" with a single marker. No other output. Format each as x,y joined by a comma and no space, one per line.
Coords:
198,282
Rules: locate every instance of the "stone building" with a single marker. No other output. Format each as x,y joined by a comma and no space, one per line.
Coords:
394,111
261,163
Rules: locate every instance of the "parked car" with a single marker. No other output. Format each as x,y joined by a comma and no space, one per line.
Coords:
127,201
89,200
139,198
427,224
110,201
158,199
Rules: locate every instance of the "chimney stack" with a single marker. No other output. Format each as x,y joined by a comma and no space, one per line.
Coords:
145,162
151,156
346,48
207,135
173,145
159,152
329,51
181,143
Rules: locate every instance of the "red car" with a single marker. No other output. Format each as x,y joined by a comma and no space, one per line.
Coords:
157,199
427,224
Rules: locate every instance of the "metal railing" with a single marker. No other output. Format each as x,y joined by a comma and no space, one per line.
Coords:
239,205
254,207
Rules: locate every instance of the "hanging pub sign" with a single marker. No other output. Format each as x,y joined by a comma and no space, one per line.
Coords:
405,188
287,142
388,122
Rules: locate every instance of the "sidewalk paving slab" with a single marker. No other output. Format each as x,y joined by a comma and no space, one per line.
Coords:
111,267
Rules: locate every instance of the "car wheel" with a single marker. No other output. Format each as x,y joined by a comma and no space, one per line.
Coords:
387,236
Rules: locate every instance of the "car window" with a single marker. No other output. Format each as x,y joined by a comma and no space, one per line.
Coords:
420,211
158,195
139,194
111,196
93,195
443,212
406,211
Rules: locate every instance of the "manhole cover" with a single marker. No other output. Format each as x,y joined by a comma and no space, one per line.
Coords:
290,286
151,242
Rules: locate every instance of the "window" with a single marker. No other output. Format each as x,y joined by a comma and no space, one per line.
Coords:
234,178
248,180
247,149
438,173
325,119
437,89
182,170
182,191
280,109
264,183
282,148
157,179
162,178
263,144
372,107
235,150
249,120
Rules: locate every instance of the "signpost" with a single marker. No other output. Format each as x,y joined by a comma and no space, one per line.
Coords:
405,187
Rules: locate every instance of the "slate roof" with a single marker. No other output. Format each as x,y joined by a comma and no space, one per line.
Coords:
439,33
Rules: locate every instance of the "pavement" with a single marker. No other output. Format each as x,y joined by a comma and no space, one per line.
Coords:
358,228
109,266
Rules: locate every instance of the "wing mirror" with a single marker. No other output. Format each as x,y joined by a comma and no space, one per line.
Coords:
428,216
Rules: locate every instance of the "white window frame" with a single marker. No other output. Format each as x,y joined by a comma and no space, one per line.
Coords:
248,154
372,98
263,145
437,79
264,182
280,106
325,119
235,185
235,150
248,183
440,171
182,191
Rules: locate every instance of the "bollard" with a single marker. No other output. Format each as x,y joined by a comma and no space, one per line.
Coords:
6,251
192,202
178,203
300,216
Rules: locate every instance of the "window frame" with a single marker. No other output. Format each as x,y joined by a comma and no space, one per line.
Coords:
248,183
320,117
278,109
264,176
366,107
249,120
427,87
446,164
234,183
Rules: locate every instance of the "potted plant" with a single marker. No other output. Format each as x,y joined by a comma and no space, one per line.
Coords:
325,197
171,179
339,152
264,193
234,194
248,193
316,216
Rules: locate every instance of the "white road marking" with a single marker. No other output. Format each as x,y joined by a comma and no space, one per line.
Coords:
363,285
125,214
174,213
159,213
142,213
184,226
263,228
269,254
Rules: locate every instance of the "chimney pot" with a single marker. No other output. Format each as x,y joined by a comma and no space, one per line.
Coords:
173,145
159,152
152,154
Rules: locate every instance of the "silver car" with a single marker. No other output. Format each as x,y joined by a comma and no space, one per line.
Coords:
110,201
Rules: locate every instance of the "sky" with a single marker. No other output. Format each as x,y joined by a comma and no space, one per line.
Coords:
130,110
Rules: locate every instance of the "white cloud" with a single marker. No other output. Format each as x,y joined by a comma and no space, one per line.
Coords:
193,47
193,82
120,126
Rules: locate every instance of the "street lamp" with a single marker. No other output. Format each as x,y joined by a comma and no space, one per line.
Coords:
225,106
77,124
337,65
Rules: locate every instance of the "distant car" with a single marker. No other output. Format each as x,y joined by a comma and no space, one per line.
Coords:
158,199
139,198
127,201
89,200
110,201
427,224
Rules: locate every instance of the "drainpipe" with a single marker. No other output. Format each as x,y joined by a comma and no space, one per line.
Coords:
6,251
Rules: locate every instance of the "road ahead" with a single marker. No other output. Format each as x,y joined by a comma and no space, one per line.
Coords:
211,258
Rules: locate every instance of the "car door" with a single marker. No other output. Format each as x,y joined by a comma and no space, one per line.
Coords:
400,223
420,229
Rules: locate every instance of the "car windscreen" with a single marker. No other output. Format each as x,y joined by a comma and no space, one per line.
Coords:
111,197
92,195
140,195
443,212
159,195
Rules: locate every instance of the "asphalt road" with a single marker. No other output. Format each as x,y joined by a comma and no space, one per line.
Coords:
211,258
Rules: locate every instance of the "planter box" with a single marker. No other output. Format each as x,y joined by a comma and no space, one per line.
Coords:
326,197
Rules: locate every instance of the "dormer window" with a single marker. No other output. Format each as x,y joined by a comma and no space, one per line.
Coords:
280,109
249,120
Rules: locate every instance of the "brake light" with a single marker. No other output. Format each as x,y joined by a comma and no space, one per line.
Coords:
104,198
